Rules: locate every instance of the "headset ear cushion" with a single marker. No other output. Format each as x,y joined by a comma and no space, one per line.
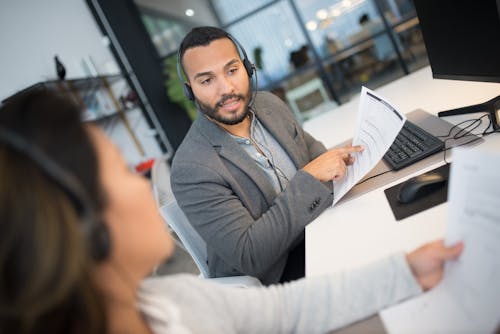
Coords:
249,67
188,91
99,242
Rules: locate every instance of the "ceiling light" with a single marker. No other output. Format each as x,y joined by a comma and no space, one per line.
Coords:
311,25
336,12
322,14
189,12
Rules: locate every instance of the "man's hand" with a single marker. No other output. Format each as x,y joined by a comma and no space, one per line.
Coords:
332,164
427,262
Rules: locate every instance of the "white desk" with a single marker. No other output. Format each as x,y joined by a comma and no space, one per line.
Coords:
363,229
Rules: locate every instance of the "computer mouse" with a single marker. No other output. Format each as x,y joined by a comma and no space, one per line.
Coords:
420,186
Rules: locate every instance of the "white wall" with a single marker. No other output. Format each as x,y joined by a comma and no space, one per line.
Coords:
33,31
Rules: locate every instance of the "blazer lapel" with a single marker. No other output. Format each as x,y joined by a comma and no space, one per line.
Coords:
285,133
229,149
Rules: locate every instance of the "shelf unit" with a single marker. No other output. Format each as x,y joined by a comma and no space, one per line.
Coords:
105,99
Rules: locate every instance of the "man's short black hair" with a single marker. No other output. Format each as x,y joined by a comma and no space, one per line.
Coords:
200,36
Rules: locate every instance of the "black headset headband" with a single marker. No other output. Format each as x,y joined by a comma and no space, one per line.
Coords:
96,232
188,92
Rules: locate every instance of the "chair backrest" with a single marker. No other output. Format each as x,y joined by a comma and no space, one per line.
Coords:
160,177
306,97
195,245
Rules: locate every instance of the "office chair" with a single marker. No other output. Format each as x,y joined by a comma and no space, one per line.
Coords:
160,178
196,246
162,191
309,99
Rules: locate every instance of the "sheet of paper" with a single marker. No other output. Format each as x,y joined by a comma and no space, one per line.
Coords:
377,126
468,298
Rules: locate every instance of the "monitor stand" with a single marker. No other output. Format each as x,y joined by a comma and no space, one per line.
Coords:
492,107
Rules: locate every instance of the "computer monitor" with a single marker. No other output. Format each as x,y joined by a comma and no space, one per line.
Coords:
462,38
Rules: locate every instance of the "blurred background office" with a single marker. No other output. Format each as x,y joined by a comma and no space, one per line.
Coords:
315,54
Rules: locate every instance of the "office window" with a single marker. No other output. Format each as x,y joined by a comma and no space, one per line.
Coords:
274,34
357,42
401,16
165,33
398,10
334,25
230,10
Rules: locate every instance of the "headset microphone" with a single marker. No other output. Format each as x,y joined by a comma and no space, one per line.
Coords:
254,91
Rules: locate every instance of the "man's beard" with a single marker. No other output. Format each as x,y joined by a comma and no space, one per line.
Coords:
234,118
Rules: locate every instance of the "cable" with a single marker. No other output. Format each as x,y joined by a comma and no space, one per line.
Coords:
270,159
373,176
474,121
462,133
279,173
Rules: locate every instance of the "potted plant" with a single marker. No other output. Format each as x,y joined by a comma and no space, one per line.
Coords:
174,87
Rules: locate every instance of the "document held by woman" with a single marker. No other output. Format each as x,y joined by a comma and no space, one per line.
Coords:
467,300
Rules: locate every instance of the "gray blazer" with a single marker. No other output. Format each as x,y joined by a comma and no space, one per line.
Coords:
248,228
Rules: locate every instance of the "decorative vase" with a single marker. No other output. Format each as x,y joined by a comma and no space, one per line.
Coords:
60,69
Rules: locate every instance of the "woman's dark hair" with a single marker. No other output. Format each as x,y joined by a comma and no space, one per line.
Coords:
46,285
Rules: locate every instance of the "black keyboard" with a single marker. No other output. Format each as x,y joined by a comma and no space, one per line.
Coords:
411,145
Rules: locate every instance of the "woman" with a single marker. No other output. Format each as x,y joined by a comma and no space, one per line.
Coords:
80,233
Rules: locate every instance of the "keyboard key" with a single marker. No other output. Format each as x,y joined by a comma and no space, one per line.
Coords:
411,145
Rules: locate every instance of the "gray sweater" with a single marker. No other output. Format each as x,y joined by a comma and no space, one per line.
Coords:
187,304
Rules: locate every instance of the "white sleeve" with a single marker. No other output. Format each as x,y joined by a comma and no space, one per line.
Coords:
312,305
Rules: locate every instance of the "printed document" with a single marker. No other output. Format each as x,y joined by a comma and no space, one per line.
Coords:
377,126
467,300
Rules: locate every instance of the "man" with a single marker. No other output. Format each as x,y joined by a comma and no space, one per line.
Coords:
247,176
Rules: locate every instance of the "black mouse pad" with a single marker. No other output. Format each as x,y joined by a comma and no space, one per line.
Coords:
402,211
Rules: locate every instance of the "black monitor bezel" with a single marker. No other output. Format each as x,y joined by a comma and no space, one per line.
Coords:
436,74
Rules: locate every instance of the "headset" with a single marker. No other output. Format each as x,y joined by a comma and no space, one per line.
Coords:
249,67
97,233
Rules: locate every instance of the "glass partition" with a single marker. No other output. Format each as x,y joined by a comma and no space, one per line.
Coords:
309,51
271,37
230,10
